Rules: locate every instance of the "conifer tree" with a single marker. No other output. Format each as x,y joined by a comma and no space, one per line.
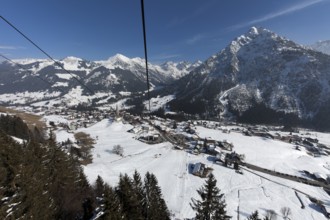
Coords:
112,206
254,216
37,135
67,183
46,182
139,190
99,187
129,198
212,204
156,206
50,184
36,185
26,178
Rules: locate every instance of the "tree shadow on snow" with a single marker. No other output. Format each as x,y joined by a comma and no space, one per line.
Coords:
315,207
109,151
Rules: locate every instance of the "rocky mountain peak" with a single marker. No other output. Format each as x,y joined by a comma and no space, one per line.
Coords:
259,31
260,67
257,36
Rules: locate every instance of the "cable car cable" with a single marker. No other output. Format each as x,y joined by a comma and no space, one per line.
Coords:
145,49
44,52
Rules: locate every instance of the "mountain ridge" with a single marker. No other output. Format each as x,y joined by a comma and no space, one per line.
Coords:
259,67
115,75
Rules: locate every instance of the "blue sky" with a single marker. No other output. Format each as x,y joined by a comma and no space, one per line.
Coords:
176,29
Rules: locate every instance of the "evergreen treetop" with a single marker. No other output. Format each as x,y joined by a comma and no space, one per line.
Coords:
212,204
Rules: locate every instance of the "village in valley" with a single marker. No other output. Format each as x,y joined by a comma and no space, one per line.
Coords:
191,137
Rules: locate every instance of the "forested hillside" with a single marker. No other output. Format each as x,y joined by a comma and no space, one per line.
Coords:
38,180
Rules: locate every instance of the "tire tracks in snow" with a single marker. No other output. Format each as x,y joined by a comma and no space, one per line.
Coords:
181,185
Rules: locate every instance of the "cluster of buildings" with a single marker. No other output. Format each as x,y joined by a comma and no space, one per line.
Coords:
146,133
312,145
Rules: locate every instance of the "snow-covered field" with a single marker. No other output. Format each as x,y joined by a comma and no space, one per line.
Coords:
249,191
272,154
23,97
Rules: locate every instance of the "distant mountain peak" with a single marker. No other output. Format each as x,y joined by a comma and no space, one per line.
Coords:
322,46
179,69
119,57
72,58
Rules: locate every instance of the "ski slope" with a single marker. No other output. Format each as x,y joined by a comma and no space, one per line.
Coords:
247,192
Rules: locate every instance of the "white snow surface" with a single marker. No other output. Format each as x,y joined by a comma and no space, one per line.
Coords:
72,63
270,154
29,60
48,103
66,76
75,96
249,191
64,84
158,102
23,97
120,104
56,119
63,135
18,140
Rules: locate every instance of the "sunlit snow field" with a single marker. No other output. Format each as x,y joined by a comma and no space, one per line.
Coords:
249,192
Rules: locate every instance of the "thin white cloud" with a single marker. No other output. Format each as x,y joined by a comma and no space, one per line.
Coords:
4,47
163,56
276,14
7,47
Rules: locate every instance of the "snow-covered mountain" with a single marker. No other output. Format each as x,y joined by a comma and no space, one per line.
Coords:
178,70
257,72
168,70
117,75
258,68
322,46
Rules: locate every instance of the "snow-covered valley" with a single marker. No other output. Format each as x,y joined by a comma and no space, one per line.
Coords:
243,193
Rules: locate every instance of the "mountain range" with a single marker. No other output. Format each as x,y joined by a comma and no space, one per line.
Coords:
28,81
259,77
